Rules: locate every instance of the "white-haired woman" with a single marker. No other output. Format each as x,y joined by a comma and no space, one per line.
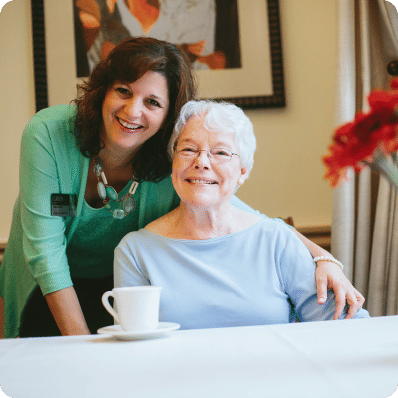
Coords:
220,265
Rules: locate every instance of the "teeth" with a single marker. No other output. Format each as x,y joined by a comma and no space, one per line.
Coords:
129,125
202,181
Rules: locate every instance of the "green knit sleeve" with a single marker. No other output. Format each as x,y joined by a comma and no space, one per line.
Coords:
41,174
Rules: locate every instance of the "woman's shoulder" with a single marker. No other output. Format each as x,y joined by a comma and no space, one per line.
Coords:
53,120
271,227
246,219
136,241
161,226
51,129
277,224
56,113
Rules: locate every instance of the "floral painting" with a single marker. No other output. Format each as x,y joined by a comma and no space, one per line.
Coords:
206,30
235,46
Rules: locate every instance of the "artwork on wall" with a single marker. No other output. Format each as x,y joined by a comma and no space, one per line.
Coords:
234,45
206,30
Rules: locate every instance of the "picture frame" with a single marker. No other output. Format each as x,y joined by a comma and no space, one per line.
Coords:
259,83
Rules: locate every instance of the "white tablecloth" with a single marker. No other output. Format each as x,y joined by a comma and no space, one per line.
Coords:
352,358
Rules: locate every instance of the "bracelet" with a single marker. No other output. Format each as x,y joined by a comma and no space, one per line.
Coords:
331,259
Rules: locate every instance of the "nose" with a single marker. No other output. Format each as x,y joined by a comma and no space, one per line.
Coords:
203,160
133,107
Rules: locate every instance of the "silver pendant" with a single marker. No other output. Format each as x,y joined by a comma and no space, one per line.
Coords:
118,213
105,190
128,204
97,170
101,190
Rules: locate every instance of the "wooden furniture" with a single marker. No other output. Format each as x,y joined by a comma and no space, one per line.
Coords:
2,248
320,235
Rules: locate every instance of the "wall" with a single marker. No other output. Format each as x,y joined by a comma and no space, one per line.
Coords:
17,100
287,179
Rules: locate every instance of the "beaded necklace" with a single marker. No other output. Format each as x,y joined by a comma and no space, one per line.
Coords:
105,190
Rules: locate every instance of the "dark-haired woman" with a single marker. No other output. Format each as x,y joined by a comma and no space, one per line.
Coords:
90,173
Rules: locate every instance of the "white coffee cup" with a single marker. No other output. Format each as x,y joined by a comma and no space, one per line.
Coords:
137,307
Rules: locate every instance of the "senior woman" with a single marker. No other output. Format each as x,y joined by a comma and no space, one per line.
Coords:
91,172
219,265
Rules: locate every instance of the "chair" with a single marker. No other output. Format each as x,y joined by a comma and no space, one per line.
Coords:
288,221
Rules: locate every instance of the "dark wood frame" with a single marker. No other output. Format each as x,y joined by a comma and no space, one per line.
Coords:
276,100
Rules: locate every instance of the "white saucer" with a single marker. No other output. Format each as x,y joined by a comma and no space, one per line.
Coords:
116,331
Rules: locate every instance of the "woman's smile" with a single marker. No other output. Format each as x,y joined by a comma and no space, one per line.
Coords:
201,181
129,127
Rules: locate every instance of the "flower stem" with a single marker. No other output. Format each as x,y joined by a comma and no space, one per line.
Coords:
383,165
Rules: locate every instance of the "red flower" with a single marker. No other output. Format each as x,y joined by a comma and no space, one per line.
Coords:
356,141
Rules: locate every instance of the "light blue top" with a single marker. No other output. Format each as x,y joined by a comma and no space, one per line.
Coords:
262,275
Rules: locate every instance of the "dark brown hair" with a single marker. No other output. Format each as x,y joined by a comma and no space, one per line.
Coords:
128,62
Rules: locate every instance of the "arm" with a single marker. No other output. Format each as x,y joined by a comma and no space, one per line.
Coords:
1,317
126,272
44,171
298,276
66,311
330,276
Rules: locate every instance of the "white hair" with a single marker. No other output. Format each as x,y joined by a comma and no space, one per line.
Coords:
219,117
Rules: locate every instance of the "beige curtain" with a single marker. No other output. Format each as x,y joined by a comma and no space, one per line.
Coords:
365,210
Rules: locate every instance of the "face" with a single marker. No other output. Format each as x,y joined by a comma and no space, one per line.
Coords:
134,112
198,181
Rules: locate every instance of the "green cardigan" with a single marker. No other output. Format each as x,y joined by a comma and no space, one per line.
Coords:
36,250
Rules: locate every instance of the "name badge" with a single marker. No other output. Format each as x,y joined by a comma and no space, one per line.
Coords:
63,205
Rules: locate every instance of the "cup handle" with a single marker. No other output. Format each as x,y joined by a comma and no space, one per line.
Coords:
108,307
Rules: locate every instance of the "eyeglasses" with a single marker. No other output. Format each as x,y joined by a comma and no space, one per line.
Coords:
215,155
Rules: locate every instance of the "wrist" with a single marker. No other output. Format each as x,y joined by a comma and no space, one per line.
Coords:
328,258
75,331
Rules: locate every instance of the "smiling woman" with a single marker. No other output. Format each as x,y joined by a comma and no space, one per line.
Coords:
225,266
58,263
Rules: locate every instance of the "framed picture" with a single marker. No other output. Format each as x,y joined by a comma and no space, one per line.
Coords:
243,65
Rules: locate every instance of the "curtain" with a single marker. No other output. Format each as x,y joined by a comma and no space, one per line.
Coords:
365,209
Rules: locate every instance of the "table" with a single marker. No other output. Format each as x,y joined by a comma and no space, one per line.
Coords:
351,358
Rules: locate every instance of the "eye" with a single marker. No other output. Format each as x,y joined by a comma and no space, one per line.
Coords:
184,150
153,102
221,152
122,91
188,149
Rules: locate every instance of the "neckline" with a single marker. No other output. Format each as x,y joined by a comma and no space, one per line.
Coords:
121,193
256,224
